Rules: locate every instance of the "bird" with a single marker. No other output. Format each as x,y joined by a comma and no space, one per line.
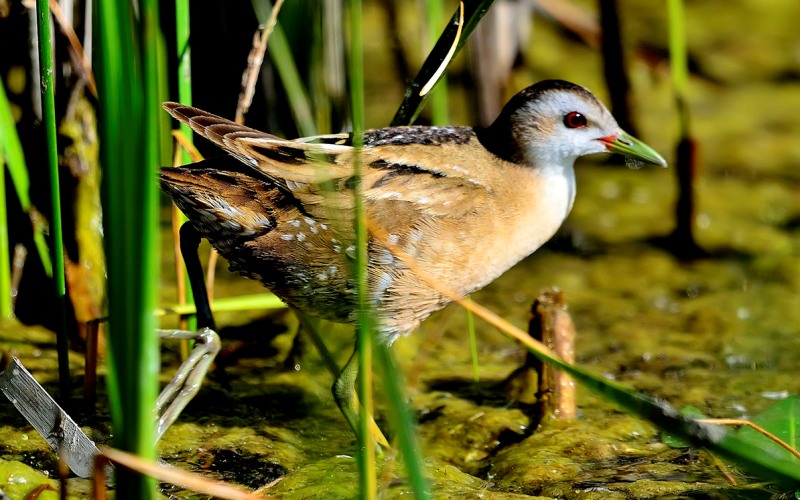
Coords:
465,203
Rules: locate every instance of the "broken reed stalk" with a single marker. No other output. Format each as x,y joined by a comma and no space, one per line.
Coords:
90,367
551,324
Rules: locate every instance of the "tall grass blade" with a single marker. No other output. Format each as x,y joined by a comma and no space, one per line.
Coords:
128,57
364,324
6,307
46,69
434,10
182,35
402,421
678,58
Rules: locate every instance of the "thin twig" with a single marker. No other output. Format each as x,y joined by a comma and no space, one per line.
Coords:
84,65
755,427
254,62
724,469
187,146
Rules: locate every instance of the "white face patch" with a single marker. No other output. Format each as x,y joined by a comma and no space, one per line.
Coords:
550,143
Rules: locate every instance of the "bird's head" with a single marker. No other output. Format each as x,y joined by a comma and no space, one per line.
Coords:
554,122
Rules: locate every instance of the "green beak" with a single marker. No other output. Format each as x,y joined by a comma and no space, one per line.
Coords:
627,145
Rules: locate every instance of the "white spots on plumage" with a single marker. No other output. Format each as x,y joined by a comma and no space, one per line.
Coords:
312,225
328,273
293,223
383,257
287,237
350,251
301,236
393,239
324,227
336,245
381,283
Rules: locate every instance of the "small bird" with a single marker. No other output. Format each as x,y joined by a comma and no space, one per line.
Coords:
465,203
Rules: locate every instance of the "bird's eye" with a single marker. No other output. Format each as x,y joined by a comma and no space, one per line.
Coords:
573,119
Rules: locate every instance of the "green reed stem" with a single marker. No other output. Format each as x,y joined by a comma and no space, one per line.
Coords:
184,64
366,454
678,60
46,68
129,57
402,420
296,92
182,35
439,109
6,310
473,345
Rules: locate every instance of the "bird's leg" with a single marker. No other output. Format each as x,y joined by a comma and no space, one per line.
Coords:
187,380
344,393
343,388
190,242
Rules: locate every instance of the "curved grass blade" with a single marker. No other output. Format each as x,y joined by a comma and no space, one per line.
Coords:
474,10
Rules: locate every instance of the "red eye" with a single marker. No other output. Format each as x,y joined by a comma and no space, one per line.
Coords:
573,119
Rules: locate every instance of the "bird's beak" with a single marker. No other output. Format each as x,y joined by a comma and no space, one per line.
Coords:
627,145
